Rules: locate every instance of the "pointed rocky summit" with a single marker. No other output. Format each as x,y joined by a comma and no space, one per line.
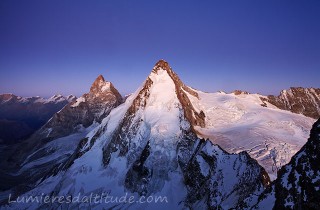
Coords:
89,108
183,92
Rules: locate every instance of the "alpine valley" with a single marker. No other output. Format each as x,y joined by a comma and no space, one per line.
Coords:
198,150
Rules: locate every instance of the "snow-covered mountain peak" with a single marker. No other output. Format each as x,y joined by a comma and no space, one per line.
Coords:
6,96
100,92
156,106
162,106
56,98
162,73
71,98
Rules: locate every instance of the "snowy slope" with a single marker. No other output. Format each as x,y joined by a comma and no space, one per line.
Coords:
239,123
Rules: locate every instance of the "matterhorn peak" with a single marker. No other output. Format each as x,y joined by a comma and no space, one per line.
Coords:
100,85
92,107
100,78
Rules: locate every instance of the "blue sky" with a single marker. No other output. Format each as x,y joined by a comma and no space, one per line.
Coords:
55,46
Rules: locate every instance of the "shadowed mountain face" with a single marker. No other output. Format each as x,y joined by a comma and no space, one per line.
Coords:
20,117
298,100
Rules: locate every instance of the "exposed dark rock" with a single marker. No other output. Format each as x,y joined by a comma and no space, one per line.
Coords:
298,100
138,175
240,92
207,188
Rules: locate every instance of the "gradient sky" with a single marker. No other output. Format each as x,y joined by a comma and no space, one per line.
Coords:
53,46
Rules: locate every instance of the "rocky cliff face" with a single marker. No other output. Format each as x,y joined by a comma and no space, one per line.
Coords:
20,117
298,100
298,183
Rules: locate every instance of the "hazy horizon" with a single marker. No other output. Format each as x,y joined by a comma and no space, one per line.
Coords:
50,47
124,94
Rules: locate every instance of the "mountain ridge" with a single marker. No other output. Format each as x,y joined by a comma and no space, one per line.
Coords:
298,100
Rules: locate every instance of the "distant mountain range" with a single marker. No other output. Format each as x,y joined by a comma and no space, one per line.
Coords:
201,150
21,116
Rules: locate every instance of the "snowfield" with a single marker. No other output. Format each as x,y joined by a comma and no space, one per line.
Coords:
239,123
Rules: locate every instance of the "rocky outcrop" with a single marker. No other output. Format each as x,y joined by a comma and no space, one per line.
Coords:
240,92
298,100
20,117
206,169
